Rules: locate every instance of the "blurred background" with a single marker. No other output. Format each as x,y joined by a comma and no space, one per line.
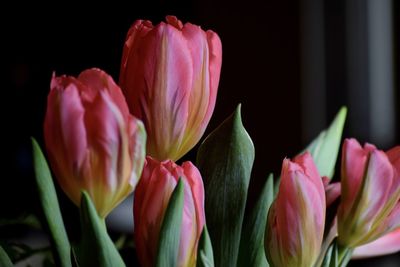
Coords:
291,63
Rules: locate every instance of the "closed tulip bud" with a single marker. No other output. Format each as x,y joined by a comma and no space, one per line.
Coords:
151,200
92,141
296,219
370,195
170,75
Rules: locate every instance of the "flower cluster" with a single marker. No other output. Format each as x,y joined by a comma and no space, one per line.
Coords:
106,140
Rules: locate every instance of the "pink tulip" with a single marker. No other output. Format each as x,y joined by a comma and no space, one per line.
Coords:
151,200
370,206
92,141
170,75
296,220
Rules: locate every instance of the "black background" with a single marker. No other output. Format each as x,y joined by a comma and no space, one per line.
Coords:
261,70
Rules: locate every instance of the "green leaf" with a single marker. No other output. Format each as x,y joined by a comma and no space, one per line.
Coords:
4,259
205,256
168,244
51,208
252,251
325,147
225,159
96,248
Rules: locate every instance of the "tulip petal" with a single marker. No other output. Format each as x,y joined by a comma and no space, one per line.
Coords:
332,192
394,157
389,243
215,60
97,80
354,160
378,182
149,212
73,129
307,164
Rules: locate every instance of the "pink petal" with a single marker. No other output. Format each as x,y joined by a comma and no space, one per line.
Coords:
189,236
130,59
378,183
64,133
308,166
74,136
200,86
137,147
174,21
332,192
151,199
215,59
196,185
394,157
393,219
354,160
390,243
97,80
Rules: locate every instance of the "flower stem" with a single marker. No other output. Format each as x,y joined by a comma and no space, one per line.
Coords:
344,255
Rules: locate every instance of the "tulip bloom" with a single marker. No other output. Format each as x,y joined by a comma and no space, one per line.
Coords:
170,75
296,219
151,200
92,141
370,205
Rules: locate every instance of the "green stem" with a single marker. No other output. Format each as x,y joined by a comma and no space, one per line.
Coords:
344,255
103,223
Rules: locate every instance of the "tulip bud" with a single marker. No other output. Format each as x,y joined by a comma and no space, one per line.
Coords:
92,141
370,195
151,200
170,75
296,219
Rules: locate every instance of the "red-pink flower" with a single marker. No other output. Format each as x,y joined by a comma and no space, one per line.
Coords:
296,219
170,75
151,200
92,141
370,206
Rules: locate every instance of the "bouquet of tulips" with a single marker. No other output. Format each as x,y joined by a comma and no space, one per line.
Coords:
106,140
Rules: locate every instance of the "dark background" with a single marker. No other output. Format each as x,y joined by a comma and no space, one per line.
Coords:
261,69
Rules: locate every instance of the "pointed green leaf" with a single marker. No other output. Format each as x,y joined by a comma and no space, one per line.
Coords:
96,248
168,244
4,259
325,147
252,251
225,160
51,208
205,256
